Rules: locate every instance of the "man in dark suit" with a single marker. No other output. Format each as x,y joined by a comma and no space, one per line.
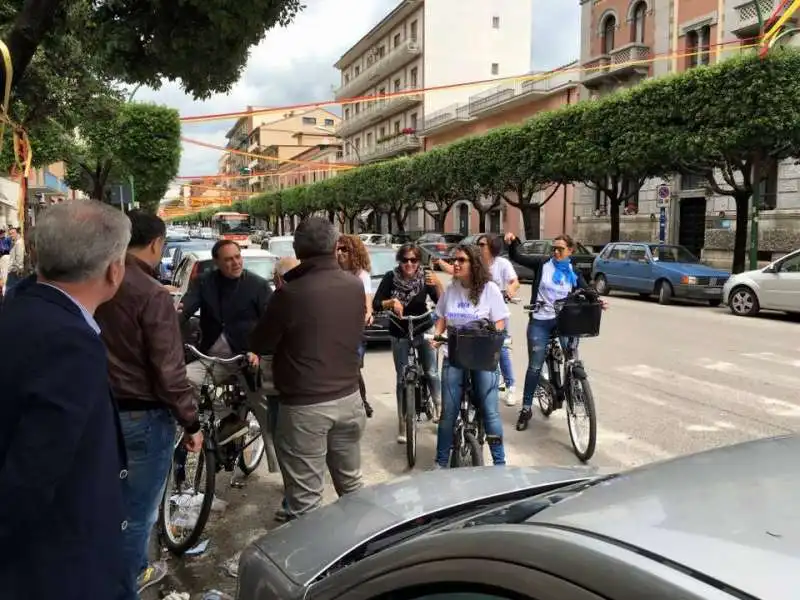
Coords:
62,458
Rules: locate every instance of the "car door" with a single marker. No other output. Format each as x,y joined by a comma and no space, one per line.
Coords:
780,290
613,265
639,270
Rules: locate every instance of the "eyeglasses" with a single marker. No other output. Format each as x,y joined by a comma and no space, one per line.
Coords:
482,244
413,260
559,249
460,260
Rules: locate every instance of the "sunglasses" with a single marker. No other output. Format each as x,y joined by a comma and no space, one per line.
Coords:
482,244
559,249
409,260
460,260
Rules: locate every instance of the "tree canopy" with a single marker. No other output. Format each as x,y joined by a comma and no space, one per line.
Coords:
720,121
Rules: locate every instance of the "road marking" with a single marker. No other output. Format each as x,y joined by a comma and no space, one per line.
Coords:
773,358
759,374
701,428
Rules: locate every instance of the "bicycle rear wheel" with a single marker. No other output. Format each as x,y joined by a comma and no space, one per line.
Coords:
410,410
466,454
581,418
185,509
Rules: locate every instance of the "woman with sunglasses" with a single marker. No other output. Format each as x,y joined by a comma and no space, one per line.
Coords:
405,291
471,296
554,279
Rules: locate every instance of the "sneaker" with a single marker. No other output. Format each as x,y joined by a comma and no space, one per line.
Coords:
511,396
401,439
231,428
282,514
524,416
154,573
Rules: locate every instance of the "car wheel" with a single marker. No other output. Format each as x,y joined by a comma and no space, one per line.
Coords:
743,302
601,284
664,292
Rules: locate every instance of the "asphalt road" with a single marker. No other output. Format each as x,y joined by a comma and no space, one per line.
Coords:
667,380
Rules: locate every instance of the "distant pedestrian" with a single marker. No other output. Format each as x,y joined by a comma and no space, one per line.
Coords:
148,378
62,457
313,326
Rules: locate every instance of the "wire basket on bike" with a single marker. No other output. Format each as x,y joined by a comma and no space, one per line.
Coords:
475,346
579,315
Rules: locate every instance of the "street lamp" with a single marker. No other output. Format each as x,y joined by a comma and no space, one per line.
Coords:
346,141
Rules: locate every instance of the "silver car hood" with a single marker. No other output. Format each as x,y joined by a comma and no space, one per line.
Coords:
305,548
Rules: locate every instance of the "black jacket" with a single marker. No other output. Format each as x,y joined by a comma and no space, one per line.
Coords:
239,316
535,263
418,305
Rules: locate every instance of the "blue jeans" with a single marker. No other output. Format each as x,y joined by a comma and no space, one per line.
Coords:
539,332
506,368
149,442
427,357
486,398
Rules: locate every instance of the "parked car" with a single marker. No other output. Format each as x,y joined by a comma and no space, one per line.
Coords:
281,246
682,528
436,252
669,271
382,260
173,250
438,238
582,258
206,233
775,287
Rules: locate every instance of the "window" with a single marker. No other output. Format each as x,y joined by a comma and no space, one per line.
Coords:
638,23
346,114
705,46
769,186
609,27
495,221
619,252
396,41
357,144
329,123
600,203
346,78
495,22
397,126
413,33
638,254
309,121
692,46
413,121
382,133
791,265
369,140
495,69
414,74
381,52
397,85
358,107
357,71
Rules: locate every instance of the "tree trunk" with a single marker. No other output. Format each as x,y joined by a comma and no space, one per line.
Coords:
32,24
352,223
332,216
400,220
740,239
613,213
531,219
98,191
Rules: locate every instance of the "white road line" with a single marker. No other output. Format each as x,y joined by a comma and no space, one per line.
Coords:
773,358
760,374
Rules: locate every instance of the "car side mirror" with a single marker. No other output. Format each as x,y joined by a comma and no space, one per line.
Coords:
771,269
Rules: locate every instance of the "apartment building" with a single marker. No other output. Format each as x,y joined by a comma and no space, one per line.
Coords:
615,34
318,163
275,137
425,44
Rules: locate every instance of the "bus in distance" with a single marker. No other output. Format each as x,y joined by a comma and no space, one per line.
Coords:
232,226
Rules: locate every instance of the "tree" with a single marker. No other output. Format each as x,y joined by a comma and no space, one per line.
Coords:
432,181
472,173
205,45
126,140
391,189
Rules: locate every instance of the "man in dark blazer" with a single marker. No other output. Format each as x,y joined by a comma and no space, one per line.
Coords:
61,454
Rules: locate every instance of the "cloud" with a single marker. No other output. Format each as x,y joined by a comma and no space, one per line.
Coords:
294,65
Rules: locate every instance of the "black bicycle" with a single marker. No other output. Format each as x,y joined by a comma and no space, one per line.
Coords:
416,398
565,378
189,493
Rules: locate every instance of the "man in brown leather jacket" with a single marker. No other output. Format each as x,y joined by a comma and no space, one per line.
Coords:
148,380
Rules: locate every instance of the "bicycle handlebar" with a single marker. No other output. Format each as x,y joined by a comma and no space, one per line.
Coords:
215,359
409,318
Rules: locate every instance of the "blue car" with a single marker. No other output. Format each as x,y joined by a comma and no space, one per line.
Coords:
668,271
174,250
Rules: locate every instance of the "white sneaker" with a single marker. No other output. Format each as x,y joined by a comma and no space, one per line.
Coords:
511,396
401,439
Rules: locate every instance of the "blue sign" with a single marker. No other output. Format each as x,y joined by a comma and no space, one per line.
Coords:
662,225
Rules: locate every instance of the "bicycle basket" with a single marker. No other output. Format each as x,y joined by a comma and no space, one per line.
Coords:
474,349
579,317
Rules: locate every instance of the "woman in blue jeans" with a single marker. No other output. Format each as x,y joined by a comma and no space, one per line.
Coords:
470,297
554,279
405,291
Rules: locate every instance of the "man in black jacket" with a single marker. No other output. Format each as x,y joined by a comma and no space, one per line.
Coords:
231,300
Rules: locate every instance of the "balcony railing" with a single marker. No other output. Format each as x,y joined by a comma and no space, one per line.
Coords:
377,110
621,62
382,67
401,144
445,118
518,92
745,22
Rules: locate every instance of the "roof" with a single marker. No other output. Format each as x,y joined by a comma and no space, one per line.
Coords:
712,512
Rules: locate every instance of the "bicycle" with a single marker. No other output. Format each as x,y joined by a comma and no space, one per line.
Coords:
566,379
416,397
182,530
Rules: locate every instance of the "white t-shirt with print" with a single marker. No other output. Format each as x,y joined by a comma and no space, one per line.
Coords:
549,292
502,272
367,281
456,307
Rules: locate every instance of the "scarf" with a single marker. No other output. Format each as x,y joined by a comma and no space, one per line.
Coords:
563,271
406,289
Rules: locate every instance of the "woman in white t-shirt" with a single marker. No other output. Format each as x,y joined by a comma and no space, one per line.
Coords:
470,297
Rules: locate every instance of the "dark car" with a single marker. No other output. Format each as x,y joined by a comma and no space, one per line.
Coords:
718,525
383,260
436,237
582,258
173,253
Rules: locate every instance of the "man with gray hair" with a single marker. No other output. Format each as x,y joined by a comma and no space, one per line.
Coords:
62,457
313,326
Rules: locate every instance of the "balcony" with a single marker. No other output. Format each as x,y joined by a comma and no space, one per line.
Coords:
745,21
621,63
515,93
381,68
445,119
378,110
405,143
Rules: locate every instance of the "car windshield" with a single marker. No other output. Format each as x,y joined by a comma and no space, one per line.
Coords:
282,248
381,263
226,225
263,266
672,254
581,249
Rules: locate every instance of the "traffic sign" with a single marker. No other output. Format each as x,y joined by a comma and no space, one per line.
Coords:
664,194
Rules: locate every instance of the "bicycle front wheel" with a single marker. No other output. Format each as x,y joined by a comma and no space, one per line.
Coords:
581,418
466,453
187,500
253,446
410,409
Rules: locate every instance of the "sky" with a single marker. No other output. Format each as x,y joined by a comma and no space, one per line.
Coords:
294,65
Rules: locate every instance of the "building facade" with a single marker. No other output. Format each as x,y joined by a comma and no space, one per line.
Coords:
670,36
400,71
